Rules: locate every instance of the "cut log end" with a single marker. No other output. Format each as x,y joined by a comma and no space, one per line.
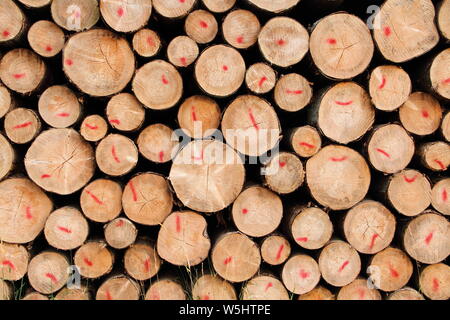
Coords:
241,28
120,233
275,250
406,293
434,281
116,155
46,38
219,6
444,18
293,92
201,26
75,15
260,78
173,9
47,272
7,102
13,21
440,196
264,288
125,113
421,114
74,294
300,274
284,173
157,143
311,228
165,289
146,43
182,51
435,155
141,261
94,259
119,288
94,128
35,296
306,141
35,4
358,290
7,157
211,287
126,17
22,125
100,200
274,6
318,293
13,261
445,127
59,107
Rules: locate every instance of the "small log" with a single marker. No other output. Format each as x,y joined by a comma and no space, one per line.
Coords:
182,51
66,229
445,127
310,227
48,272
274,6
158,85
120,233
173,9
390,87
358,290
241,28
6,292
75,15
220,70
421,114
438,75
284,173
157,143
147,199
434,281
257,211
369,227
22,125
59,107
35,4
24,208
283,41
74,294
390,148
405,30
126,16
146,43
199,116
46,38
339,263
390,269
292,92
94,128
305,141
435,155
183,239
264,287
409,192
165,289
98,62
23,71
93,259
212,287
444,18
54,168
118,287
427,238
341,46
219,6
7,157
116,155
125,113
251,125
141,261
7,102
235,257
344,112
440,196
34,296
260,78
100,200
13,261
406,293
300,274
275,249
198,173
338,177
318,293
13,22
201,26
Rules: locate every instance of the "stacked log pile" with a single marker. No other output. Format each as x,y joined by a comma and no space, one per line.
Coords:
235,149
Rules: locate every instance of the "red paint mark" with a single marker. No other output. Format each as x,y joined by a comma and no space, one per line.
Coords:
63,229
444,195
19,75
200,157
308,145
28,213
48,48
161,156
440,163
120,223
393,272
244,211
227,260
428,238
341,268
383,152
410,180
115,121
155,296
164,79
281,42
252,118
383,83
133,191
91,127
9,264
342,103
361,293
225,68
203,24
372,242
69,62
6,33
294,91
178,223
304,274
282,164
425,114
205,297
120,12
97,200
302,239
261,81
114,154
77,14
183,61
147,265
63,114
446,81
435,284
88,262
331,41
150,41
23,125
387,31
338,159
280,250
269,285
52,277
240,39
108,295
45,176
193,114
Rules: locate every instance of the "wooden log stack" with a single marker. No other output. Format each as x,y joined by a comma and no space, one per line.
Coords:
202,149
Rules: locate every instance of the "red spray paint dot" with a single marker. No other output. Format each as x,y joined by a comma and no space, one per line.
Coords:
6,33
183,61
28,213
331,41
282,164
446,81
304,274
444,195
150,41
393,272
244,211
108,295
425,114
45,176
240,39
120,223
19,75
133,191
63,114
48,48
387,31
94,197
429,238
435,284
88,262
120,12
69,62
164,79
203,24
281,42
361,293
269,285
205,297
225,68
181,1
227,260
161,156
261,82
